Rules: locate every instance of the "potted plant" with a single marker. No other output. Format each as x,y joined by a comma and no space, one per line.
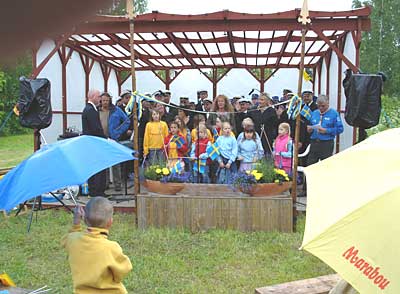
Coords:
263,180
160,179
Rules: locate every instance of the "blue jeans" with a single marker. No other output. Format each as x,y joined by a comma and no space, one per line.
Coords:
202,178
224,175
155,156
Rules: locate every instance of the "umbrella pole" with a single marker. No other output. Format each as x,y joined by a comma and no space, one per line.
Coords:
130,4
304,19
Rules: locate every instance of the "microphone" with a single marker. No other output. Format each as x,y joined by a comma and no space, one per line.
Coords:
252,91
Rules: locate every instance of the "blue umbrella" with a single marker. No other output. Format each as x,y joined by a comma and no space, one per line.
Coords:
58,165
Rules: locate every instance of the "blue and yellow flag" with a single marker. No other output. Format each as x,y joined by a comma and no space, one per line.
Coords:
199,165
177,168
294,107
306,112
215,134
307,76
129,107
213,151
179,141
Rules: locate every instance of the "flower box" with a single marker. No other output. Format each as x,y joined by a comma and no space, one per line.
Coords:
163,188
268,189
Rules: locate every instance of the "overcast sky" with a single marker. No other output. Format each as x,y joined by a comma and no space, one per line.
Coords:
250,6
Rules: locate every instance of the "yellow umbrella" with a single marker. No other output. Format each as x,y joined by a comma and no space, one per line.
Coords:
353,210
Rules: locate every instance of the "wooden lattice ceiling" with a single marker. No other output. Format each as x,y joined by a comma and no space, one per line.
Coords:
215,40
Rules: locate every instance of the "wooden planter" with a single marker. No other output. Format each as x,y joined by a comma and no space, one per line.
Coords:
163,188
269,189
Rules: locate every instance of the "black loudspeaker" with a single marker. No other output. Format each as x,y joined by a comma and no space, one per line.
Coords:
34,103
363,99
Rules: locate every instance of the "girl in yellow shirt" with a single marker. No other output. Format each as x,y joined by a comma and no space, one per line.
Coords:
154,135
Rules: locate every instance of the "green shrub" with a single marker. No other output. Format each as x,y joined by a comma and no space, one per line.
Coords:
390,115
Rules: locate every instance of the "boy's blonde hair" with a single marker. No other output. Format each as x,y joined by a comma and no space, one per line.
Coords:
98,212
286,126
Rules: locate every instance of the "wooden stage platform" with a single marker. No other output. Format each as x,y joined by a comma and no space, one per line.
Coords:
203,206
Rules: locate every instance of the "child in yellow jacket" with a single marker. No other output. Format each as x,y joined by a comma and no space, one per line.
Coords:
154,135
97,264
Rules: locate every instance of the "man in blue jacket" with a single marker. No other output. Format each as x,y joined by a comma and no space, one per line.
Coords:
115,124
325,125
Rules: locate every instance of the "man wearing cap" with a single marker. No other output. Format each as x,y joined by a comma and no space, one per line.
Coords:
243,113
254,100
307,97
235,103
125,97
202,94
158,95
171,110
184,101
207,104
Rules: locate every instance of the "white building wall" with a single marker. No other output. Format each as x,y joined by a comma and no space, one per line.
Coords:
52,71
96,80
236,82
285,78
75,85
112,86
316,90
188,83
146,81
323,78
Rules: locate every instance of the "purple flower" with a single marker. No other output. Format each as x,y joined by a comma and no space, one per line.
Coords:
176,178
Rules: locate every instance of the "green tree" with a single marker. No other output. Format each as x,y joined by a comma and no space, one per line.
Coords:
380,47
119,7
9,91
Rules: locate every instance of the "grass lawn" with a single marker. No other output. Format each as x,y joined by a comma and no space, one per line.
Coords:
164,261
14,149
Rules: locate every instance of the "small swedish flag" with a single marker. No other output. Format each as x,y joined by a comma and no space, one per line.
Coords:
213,151
177,168
201,167
306,112
215,134
179,141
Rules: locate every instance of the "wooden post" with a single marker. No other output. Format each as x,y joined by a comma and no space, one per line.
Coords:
130,4
262,79
304,19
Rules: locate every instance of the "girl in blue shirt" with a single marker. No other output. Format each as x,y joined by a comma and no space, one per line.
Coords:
228,152
249,149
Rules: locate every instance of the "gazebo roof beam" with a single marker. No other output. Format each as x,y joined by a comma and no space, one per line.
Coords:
181,50
223,55
117,39
235,39
166,48
221,25
270,46
205,48
258,45
225,67
218,48
232,47
91,55
284,45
